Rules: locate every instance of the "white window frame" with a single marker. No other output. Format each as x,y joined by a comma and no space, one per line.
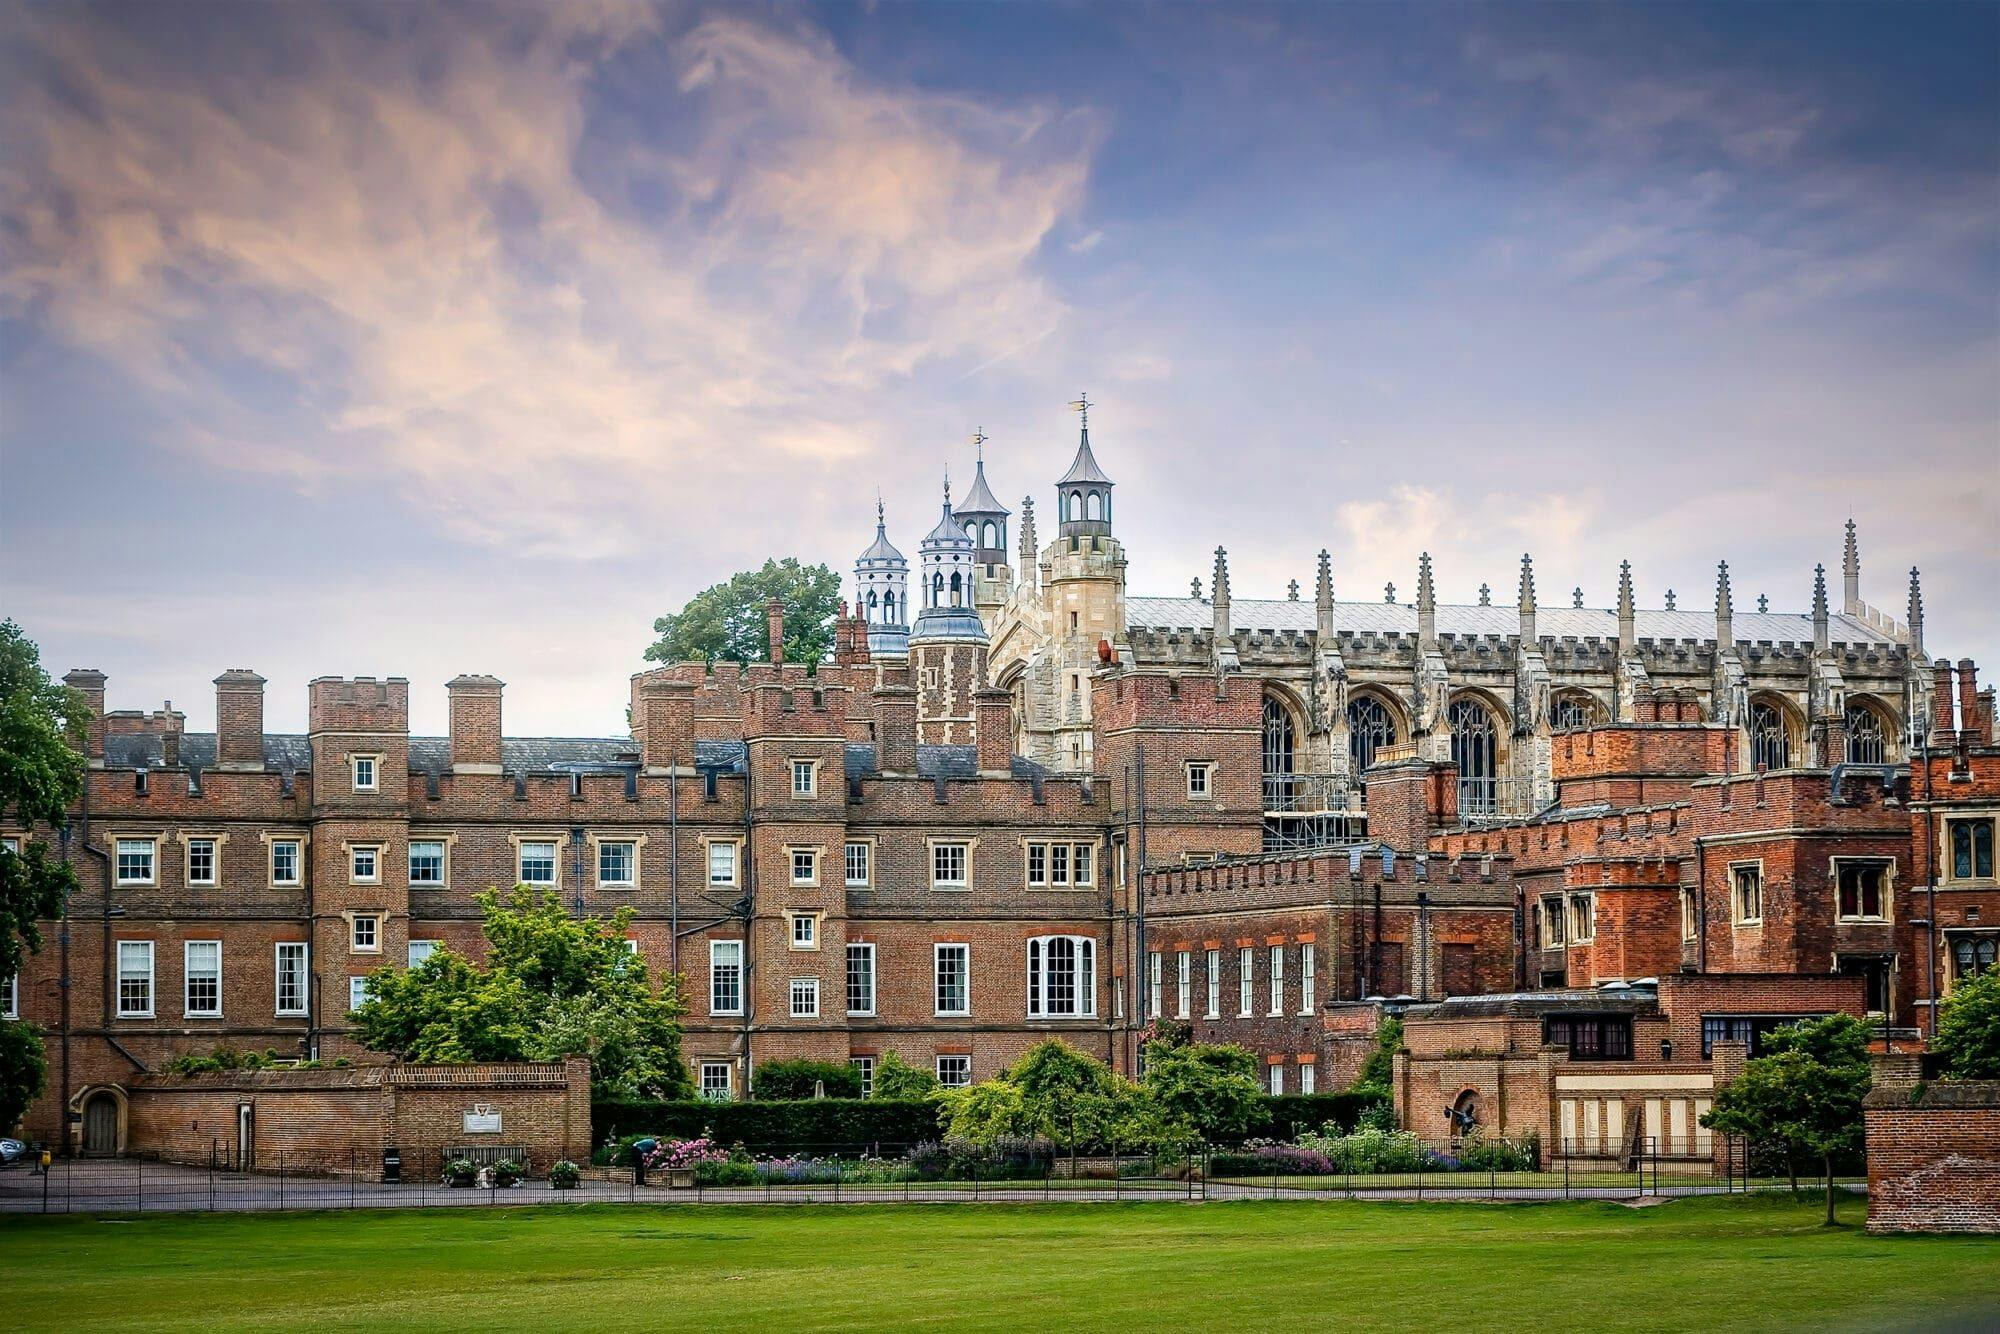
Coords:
804,995
1277,1076
1153,998
1308,1077
1246,980
735,848
138,948
1308,979
808,920
1201,780
806,771
1736,916
1213,958
373,763
1184,968
151,844
961,1064
373,852
188,1009
806,859
715,948
214,876
1277,980
357,991
633,847
940,850
860,949
963,951
373,945
443,862
298,847
866,1065
10,1007
865,848
716,1090
1039,977
301,951
430,947
522,842
1060,863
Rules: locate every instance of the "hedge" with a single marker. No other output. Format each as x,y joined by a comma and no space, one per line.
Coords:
850,1125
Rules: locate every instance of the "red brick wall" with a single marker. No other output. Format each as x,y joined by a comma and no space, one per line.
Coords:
1935,1166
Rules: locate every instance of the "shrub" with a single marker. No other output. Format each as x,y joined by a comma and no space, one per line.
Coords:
896,1080
1478,1154
1968,1029
828,1125
1284,1116
777,1080
460,1172
507,1172
565,1173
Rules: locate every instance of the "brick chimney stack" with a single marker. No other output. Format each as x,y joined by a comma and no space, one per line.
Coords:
475,724
1941,700
664,721
993,730
1968,698
239,720
774,619
91,682
896,730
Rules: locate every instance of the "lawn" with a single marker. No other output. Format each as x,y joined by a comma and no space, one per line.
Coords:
1757,1262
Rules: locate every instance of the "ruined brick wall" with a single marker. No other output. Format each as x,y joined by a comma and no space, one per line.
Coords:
1934,1161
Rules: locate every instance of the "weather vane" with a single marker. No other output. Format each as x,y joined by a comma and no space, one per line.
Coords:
1082,405
979,438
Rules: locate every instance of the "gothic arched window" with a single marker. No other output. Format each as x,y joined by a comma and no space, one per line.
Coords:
1370,726
889,609
1867,742
1770,742
1075,505
1573,713
1094,505
937,590
871,606
1278,754
1474,749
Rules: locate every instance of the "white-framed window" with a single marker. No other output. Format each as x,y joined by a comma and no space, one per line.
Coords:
1153,1000
725,977
1277,1080
860,977
954,1072
536,862
364,864
357,992
717,1080
137,860
952,972
1308,1077
1200,779
805,866
805,998
421,950
1861,888
1062,977
949,865
10,994
365,936
858,860
805,778
367,776
201,979
284,861
201,861
1060,865
135,979
1246,969
1582,918
1746,892
1184,966
291,977
1213,960
866,1066
426,861
1308,982
1277,979
721,862
805,931
617,864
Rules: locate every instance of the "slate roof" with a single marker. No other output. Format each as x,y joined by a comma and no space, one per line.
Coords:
1528,1004
1279,614
948,529
1084,467
980,499
882,549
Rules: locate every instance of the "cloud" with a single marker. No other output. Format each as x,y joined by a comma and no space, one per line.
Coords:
391,247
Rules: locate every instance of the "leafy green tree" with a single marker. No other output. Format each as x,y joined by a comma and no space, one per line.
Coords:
1200,1091
801,1079
728,621
1377,1075
1804,1093
42,726
896,1080
1968,1029
985,1113
1067,1096
552,986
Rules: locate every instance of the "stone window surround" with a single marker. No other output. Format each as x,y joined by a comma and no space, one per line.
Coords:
1946,819
931,845
1207,768
813,850
1888,865
637,840
812,765
347,851
792,930
381,917
1046,841
269,837
113,839
1582,908
558,837
1729,871
450,842
187,838
736,864
353,771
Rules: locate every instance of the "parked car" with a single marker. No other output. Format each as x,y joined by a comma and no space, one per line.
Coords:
12,1151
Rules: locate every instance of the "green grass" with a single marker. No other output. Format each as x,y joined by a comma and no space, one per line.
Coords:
1710,1263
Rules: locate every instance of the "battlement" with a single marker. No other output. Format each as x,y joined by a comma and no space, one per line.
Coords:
360,704
1123,699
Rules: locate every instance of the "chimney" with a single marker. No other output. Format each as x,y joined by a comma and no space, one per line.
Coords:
1941,699
774,619
90,682
170,736
993,730
239,720
665,723
475,724
896,730
1968,699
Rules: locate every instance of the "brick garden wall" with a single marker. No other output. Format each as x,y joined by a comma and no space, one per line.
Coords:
1934,1163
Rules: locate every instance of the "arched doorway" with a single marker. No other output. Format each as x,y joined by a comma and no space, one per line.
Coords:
103,1123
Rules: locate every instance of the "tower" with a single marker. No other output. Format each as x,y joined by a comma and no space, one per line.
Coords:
984,519
947,644
1083,494
882,594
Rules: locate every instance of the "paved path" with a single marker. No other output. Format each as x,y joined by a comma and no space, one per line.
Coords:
128,1186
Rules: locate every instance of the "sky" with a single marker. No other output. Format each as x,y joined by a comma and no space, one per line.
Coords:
370,339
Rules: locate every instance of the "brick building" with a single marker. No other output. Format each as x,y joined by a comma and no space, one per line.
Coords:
1014,806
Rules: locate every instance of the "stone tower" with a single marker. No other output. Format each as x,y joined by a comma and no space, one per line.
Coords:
947,644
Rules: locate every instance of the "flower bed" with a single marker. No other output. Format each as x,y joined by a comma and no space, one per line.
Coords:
947,1160
1374,1152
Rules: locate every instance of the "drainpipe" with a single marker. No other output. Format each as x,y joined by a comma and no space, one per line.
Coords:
674,874
1139,970
748,914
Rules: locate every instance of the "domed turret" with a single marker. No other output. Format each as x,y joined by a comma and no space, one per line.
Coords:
944,566
882,593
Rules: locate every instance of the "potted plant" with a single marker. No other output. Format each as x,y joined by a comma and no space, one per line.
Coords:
460,1172
507,1172
565,1175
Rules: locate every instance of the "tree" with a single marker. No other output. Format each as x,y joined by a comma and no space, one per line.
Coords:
802,1079
1804,1093
728,621
985,1113
41,776
1200,1091
896,1080
1068,1097
1377,1075
1968,1029
552,986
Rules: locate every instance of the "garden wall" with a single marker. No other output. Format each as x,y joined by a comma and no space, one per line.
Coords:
1934,1157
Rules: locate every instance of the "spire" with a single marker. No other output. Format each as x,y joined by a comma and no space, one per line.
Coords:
1030,553
1323,597
1725,609
1528,634
1916,615
1850,573
1427,612
1819,607
1628,618
1084,492
1219,593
